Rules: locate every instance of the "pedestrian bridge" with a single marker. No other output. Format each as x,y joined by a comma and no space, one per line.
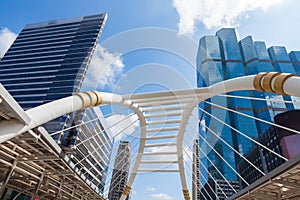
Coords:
32,163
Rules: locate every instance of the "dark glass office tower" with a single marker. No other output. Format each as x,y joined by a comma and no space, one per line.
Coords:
48,61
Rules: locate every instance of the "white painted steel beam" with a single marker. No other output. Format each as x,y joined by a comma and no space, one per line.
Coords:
166,114
161,137
285,84
160,153
158,162
174,121
155,130
157,170
169,102
160,145
163,108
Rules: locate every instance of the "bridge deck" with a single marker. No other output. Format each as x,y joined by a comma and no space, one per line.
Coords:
39,159
281,183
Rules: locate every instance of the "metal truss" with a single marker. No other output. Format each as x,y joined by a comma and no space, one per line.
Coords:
282,183
170,109
32,163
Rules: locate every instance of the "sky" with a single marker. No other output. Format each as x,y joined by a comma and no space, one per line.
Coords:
145,41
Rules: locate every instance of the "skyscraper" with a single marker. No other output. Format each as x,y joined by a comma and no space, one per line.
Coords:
120,171
223,57
218,189
196,171
282,141
93,147
48,61
265,160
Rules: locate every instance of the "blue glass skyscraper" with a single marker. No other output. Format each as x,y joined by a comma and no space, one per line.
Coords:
223,57
210,60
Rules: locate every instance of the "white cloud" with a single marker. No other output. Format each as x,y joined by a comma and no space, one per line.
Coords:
215,13
117,129
150,188
6,39
161,196
104,68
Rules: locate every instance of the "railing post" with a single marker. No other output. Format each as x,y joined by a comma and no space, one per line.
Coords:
7,177
38,185
59,189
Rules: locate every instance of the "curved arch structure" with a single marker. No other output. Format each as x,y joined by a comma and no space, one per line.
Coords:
151,108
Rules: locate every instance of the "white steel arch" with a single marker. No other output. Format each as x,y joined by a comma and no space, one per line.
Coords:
175,103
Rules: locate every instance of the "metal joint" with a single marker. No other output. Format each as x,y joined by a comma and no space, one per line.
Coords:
267,81
99,97
85,99
93,98
257,81
126,190
90,98
279,82
186,194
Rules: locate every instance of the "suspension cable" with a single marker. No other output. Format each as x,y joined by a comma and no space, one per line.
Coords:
132,147
104,150
118,175
87,139
214,133
257,99
188,134
252,117
96,163
193,182
113,137
92,120
222,158
243,134
207,179
103,145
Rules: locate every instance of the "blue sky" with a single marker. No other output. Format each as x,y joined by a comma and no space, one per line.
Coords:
274,21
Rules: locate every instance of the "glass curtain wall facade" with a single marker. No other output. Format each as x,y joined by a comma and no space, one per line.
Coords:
211,72
223,57
93,147
120,171
48,61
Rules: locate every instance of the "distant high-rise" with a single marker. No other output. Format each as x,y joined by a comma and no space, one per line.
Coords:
223,57
120,171
49,60
218,189
196,171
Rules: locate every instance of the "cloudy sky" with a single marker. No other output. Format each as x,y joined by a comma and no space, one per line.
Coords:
123,52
